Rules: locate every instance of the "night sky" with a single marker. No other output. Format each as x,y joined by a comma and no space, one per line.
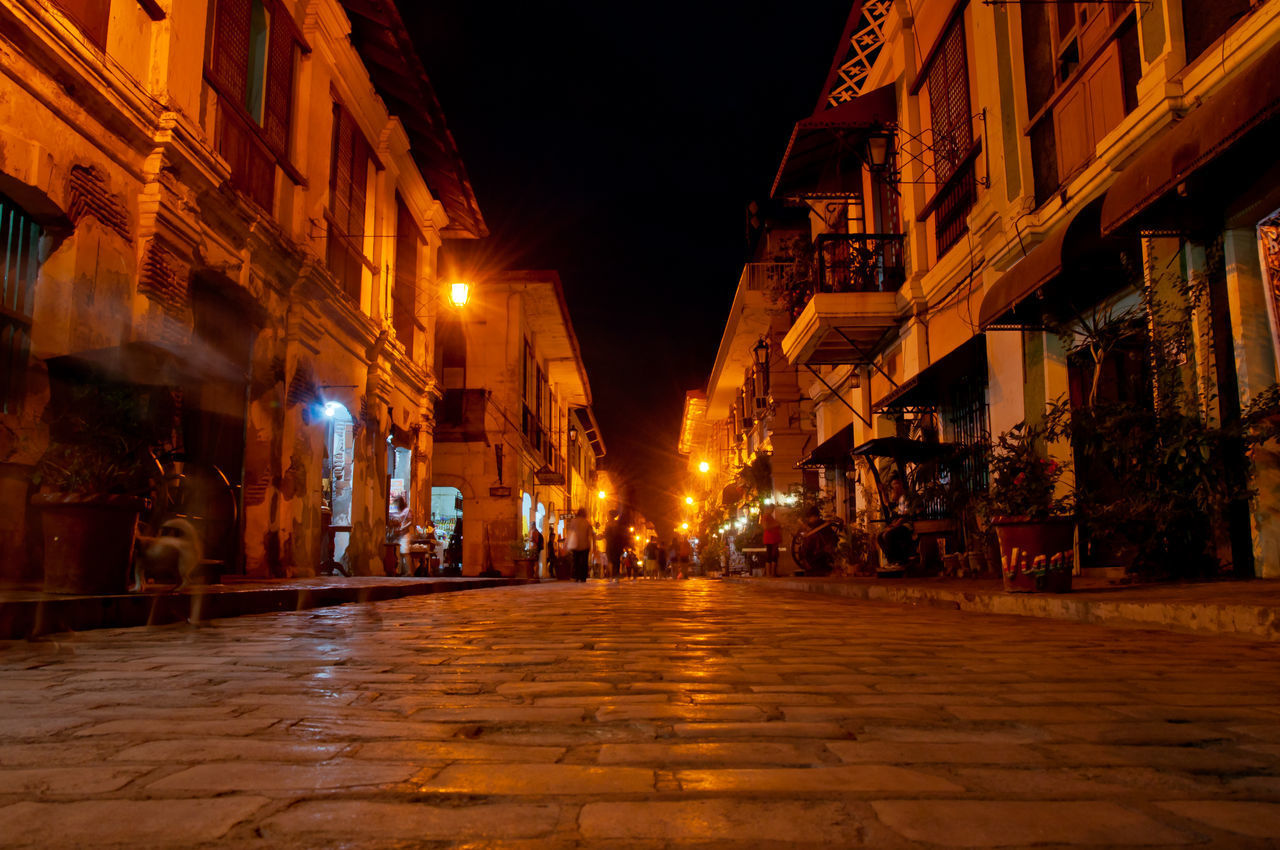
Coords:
621,150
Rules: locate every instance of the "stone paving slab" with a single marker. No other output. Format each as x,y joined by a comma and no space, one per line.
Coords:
639,715
1249,609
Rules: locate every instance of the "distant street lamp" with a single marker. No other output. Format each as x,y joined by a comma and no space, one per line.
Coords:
704,467
688,500
601,495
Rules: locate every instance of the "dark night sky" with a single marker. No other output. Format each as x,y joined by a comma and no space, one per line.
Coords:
621,150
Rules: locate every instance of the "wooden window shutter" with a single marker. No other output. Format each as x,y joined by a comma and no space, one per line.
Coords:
280,61
404,295
949,104
91,16
340,167
229,55
359,182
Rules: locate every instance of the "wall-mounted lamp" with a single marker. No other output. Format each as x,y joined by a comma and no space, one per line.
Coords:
880,151
573,434
459,293
761,353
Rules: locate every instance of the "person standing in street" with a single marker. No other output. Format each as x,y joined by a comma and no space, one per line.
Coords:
651,558
581,538
772,538
614,543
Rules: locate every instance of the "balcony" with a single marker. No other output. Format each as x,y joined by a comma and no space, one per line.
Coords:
856,304
460,416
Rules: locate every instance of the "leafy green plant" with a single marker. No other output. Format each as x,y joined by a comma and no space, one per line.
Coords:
1024,483
101,439
791,288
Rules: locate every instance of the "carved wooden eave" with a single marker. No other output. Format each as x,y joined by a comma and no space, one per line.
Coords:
379,35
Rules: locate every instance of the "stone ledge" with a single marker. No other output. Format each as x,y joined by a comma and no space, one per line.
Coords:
1256,622
43,614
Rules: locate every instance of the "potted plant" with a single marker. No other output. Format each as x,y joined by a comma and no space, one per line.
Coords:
524,558
1033,522
94,479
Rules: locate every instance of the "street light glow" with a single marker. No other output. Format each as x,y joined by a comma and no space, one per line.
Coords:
704,467
459,293
684,526
602,495
688,500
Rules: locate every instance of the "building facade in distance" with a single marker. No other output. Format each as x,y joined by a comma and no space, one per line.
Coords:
516,443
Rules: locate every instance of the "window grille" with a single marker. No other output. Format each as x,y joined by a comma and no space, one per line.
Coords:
20,244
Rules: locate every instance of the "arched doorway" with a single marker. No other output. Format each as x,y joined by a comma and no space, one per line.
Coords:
338,475
446,516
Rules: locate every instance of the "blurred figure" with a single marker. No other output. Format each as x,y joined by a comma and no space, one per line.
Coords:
772,538
615,541
401,520
581,539
651,558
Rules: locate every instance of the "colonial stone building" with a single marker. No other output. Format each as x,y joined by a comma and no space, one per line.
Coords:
986,182
517,445
242,200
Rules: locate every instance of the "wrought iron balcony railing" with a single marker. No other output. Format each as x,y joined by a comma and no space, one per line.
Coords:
860,262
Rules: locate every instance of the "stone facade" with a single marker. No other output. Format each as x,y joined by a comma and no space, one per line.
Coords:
522,393
159,228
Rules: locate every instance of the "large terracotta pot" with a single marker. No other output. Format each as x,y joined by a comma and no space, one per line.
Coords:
88,542
1036,555
524,568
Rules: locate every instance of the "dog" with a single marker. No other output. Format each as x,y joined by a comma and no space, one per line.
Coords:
171,557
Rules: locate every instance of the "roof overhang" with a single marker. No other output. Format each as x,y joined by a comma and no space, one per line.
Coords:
547,314
843,327
693,424
591,429
381,38
748,321
822,144
1240,105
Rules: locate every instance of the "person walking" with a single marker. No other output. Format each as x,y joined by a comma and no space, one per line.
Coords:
663,555
401,521
614,542
772,538
581,540
651,558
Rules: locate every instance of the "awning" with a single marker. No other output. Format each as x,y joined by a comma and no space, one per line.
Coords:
829,134
903,449
1202,135
927,388
1068,242
834,451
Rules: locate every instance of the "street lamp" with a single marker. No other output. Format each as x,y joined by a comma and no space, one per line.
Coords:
684,526
459,293
688,500
704,467
601,495
879,151
761,353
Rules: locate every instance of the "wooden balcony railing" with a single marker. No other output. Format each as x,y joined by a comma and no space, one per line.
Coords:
860,262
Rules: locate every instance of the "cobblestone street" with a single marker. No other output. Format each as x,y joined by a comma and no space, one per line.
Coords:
650,714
